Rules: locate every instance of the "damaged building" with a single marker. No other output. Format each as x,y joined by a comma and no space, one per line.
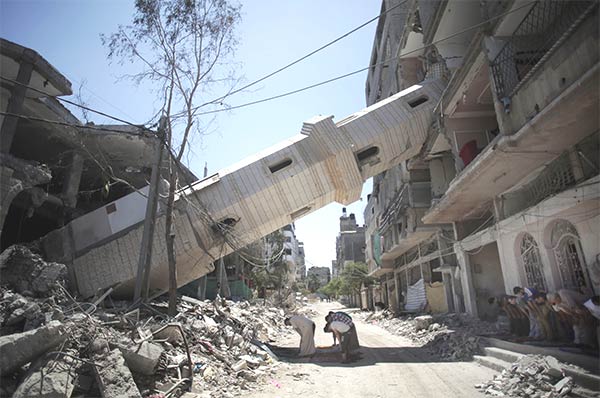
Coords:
99,238
505,191
59,174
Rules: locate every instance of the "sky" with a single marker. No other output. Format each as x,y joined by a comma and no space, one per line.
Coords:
67,34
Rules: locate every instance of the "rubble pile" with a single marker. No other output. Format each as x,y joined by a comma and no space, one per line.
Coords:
53,345
450,337
28,273
534,376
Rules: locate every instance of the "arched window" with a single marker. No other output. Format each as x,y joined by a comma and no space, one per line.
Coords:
564,240
534,270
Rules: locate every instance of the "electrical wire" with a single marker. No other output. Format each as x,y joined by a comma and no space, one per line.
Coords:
73,103
222,97
476,26
235,242
75,126
305,56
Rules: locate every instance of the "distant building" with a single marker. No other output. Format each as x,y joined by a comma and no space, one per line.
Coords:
301,265
323,274
291,252
504,190
350,243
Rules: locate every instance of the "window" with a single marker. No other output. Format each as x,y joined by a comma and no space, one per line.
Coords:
299,213
368,156
569,258
280,166
287,252
224,224
417,101
530,254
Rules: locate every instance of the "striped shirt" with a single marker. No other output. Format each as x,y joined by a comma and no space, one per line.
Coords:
341,317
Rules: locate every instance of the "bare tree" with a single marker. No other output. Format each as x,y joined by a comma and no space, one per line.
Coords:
184,47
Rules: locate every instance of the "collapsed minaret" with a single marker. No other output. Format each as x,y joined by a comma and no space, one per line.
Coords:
328,161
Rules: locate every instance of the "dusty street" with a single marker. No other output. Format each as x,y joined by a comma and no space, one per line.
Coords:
390,366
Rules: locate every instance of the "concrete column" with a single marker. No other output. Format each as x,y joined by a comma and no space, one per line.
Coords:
398,291
392,302
457,297
15,103
447,280
498,208
466,279
9,188
576,165
201,295
72,180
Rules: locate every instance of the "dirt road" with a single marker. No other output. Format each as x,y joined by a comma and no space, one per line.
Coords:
391,367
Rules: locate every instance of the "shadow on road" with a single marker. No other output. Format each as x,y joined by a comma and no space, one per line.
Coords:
365,356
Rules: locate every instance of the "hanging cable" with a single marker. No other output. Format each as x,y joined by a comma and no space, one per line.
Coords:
305,56
76,126
476,26
72,103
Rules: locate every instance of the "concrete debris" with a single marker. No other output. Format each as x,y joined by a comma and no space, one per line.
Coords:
449,337
423,322
216,350
114,377
53,379
26,272
19,349
104,348
143,358
534,376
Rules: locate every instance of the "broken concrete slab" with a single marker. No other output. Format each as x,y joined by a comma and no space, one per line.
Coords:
53,379
144,358
26,271
114,377
423,322
19,349
241,364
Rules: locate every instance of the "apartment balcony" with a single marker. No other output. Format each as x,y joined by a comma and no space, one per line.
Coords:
555,44
578,164
400,224
546,78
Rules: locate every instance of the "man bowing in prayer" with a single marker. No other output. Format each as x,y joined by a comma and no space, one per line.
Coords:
306,329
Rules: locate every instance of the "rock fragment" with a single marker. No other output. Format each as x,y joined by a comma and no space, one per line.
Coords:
114,377
143,358
53,379
19,349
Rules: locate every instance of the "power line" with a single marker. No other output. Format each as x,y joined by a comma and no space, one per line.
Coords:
476,26
279,95
73,103
82,85
306,56
76,126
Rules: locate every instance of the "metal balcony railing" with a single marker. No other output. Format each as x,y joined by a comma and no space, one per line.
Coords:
394,207
558,175
544,28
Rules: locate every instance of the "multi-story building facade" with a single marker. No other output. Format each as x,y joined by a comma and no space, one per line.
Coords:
322,275
512,157
349,244
292,256
301,265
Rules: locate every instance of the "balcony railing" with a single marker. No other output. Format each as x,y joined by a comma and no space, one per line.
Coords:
543,29
394,207
558,175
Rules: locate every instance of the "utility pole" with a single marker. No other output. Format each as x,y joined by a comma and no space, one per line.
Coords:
143,271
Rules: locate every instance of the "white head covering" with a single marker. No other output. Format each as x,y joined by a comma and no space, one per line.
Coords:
593,308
